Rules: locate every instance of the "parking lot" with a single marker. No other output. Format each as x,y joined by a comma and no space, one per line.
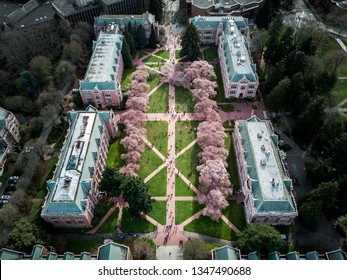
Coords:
8,190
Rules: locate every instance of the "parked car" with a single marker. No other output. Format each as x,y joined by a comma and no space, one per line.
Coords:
10,188
7,197
3,201
14,178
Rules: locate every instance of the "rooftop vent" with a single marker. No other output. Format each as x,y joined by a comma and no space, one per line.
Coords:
260,136
263,162
262,147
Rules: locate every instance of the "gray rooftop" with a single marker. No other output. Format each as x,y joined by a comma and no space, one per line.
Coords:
42,13
67,7
223,3
7,8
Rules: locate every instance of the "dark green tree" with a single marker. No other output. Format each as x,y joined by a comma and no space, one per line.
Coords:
309,212
259,237
130,40
111,181
156,9
152,43
130,29
25,234
135,192
195,249
141,37
28,83
272,45
143,249
126,55
191,43
277,98
266,13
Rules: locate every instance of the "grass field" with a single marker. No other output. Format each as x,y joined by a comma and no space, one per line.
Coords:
204,225
115,151
148,163
42,190
135,224
163,54
142,54
185,209
153,81
184,102
226,107
157,135
182,189
232,165
159,212
126,77
235,213
220,89
157,184
153,58
81,245
159,100
185,133
210,54
187,163
339,92
109,225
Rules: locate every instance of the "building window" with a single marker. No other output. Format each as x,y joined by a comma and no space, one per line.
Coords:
250,92
233,92
243,87
251,86
233,86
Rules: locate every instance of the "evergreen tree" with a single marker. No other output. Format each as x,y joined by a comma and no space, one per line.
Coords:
152,44
135,192
130,40
156,9
141,37
126,55
191,43
130,29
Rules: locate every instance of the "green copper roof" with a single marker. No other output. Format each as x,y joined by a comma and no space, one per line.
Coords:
69,256
312,256
37,252
253,256
226,253
8,254
52,256
336,255
293,256
112,251
85,256
273,256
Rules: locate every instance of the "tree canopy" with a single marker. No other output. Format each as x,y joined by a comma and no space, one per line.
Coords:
259,237
195,249
156,8
152,39
191,43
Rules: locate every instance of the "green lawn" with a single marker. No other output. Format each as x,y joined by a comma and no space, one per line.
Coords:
153,58
42,191
81,245
186,209
232,165
339,92
148,163
327,46
220,89
178,54
126,77
115,151
183,100
342,69
226,107
159,100
157,184
135,224
211,53
100,211
182,189
153,81
163,54
157,135
159,212
204,225
142,54
109,225
187,164
35,206
185,133
235,213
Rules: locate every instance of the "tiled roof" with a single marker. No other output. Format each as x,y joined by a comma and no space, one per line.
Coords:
226,253
112,251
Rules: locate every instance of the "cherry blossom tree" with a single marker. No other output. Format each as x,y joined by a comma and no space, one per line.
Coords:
215,203
140,75
168,70
203,88
205,104
137,104
213,153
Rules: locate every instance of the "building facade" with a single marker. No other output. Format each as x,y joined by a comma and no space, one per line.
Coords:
266,187
101,85
230,34
73,191
219,7
146,20
86,10
9,135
